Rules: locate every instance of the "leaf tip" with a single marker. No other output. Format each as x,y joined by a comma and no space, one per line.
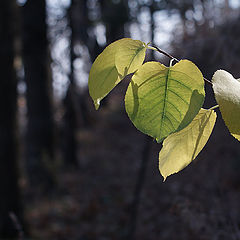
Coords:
164,178
164,175
97,103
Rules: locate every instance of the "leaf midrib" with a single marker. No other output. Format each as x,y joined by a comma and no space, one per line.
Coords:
164,103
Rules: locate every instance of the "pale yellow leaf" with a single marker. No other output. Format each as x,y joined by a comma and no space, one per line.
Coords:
103,76
181,148
227,93
129,57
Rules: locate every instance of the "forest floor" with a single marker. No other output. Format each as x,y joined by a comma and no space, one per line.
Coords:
93,202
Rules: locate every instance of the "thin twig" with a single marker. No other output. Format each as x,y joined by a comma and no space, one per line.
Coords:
173,58
206,80
214,107
165,53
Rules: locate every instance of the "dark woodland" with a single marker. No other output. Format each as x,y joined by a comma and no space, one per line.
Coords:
68,171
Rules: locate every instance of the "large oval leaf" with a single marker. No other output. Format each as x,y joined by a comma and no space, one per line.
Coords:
104,76
227,93
181,148
161,100
129,57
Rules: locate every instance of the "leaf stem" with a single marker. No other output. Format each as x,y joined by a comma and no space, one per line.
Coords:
173,58
162,52
214,107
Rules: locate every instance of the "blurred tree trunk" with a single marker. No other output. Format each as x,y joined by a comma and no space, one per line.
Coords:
40,131
70,119
9,189
76,111
115,16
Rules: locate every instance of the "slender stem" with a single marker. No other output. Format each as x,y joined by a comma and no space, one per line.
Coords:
206,80
173,58
214,107
163,52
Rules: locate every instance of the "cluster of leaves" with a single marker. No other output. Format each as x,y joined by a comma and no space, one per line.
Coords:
166,102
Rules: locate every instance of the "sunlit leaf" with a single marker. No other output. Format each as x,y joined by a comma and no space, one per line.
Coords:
181,148
103,76
227,93
129,57
116,61
162,100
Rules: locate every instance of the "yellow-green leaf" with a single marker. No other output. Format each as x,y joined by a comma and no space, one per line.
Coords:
227,93
130,56
116,61
103,76
181,148
161,100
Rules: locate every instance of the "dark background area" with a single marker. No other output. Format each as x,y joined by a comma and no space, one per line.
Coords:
70,172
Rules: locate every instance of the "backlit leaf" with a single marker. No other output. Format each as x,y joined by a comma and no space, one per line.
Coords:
112,65
161,100
227,93
103,76
181,148
129,57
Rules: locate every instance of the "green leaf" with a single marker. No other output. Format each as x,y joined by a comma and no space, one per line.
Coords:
129,57
104,76
161,100
181,148
227,93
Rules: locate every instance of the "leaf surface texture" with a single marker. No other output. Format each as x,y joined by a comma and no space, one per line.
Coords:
161,100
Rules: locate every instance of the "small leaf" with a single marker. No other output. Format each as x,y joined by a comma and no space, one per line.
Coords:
181,148
162,100
130,56
116,61
227,93
103,76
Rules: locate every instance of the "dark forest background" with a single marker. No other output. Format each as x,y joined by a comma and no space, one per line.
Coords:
70,172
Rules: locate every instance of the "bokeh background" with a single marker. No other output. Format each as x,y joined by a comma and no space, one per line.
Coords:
70,172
